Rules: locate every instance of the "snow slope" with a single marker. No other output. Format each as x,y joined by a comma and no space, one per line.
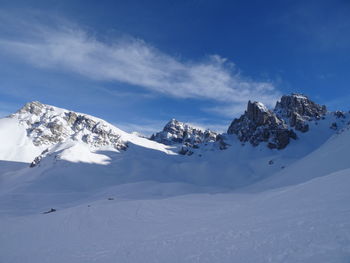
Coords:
304,223
332,156
15,145
37,127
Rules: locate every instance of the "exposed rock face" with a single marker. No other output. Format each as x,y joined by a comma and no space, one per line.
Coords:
297,110
175,132
47,125
38,159
34,107
220,140
259,124
339,114
334,126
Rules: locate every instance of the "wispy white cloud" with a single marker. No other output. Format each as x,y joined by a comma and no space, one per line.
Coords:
63,46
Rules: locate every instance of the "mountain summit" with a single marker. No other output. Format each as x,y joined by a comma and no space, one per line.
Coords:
292,113
179,132
259,124
49,125
298,109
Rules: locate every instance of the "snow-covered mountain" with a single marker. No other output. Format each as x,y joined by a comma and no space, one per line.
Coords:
38,129
274,188
260,143
176,132
47,125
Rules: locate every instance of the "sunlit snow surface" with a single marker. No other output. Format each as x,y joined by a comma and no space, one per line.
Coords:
148,204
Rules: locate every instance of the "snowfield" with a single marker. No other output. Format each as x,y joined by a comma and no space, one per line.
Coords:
309,222
149,204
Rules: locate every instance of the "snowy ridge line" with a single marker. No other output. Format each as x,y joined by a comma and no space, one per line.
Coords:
48,125
292,118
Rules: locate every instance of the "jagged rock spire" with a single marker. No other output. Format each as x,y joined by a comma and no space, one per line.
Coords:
259,124
259,114
298,109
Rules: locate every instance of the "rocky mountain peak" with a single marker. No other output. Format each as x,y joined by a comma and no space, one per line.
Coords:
176,132
48,125
298,109
34,107
174,126
259,124
259,114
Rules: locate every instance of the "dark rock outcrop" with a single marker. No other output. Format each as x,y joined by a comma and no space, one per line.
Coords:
259,124
334,126
298,109
220,140
339,114
178,132
50,211
38,159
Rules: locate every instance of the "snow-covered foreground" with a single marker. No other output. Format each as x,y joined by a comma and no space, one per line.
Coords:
309,222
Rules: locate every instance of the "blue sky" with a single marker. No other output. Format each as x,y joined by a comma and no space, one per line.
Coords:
139,63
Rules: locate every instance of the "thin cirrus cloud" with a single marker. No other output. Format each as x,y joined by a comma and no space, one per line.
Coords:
132,61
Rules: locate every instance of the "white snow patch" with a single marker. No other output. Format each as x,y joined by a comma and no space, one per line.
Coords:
15,145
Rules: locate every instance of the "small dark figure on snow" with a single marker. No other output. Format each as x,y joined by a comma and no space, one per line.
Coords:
50,211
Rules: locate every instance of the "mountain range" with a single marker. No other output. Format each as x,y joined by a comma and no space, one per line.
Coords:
273,188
